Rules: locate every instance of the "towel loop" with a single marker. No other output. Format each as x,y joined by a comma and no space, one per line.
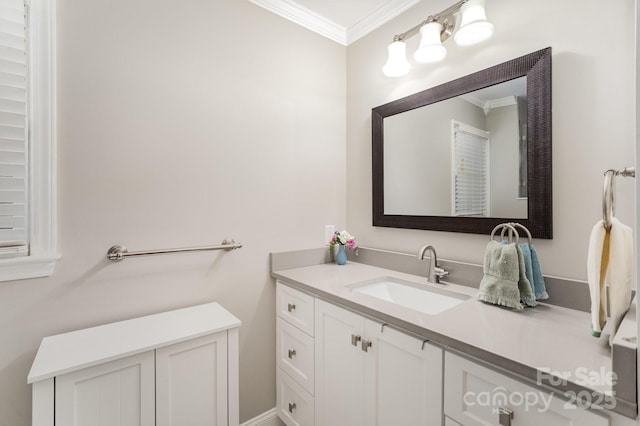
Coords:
518,225
508,226
608,192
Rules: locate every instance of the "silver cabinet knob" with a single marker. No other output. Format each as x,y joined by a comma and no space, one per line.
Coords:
366,344
291,307
505,416
292,407
355,339
292,353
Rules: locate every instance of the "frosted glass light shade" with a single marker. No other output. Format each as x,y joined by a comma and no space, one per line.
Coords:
397,64
474,27
431,48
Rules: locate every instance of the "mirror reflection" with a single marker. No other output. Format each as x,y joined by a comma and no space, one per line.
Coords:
464,156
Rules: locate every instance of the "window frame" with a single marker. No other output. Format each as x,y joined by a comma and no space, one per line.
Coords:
41,189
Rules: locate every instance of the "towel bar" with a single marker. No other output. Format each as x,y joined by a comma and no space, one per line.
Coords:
118,252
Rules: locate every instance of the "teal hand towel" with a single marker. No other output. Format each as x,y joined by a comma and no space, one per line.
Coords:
528,264
499,284
539,287
524,285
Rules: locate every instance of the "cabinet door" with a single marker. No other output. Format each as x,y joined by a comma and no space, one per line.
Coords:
116,393
475,394
403,380
339,377
191,382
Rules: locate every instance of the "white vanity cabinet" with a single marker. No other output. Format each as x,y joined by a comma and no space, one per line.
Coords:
170,369
367,374
478,396
336,367
295,356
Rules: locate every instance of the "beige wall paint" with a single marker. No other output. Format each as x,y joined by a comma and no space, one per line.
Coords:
417,157
182,123
593,116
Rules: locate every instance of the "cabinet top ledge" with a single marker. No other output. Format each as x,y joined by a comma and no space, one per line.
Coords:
67,352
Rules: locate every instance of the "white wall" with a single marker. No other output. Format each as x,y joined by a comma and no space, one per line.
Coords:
593,116
502,123
182,123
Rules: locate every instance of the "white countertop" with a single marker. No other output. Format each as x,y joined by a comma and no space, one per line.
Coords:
72,351
540,339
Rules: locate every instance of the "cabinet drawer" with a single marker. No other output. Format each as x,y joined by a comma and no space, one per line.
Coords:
295,354
295,307
474,395
295,405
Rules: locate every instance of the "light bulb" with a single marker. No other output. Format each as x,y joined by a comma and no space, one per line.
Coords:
431,48
474,27
397,64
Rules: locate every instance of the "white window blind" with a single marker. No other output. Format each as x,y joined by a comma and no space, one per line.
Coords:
13,129
470,171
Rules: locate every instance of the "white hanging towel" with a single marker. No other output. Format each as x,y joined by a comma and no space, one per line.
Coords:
610,256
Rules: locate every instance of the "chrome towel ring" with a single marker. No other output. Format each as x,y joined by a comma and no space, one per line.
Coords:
518,225
511,229
608,192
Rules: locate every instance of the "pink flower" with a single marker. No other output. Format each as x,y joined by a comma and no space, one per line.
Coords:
351,244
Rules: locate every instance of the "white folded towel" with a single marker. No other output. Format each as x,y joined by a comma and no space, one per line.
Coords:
610,251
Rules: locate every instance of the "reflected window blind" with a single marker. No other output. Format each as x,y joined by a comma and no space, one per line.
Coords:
471,173
13,129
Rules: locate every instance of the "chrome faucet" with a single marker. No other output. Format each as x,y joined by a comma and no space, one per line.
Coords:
435,272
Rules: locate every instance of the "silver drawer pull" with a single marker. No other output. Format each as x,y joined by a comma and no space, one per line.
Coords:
292,353
291,307
505,416
292,407
366,344
355,339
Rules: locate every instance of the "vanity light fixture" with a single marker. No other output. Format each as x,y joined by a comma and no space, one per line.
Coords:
437,28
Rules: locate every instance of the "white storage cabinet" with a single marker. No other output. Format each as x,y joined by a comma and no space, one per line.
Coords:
337,368
295,356
367,374
478,396
178,368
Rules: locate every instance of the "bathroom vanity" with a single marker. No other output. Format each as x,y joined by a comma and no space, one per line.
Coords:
171,368
346,354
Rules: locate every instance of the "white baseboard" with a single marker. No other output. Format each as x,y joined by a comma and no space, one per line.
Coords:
268,418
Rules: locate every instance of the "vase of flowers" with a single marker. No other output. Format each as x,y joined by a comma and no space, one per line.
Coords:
342,239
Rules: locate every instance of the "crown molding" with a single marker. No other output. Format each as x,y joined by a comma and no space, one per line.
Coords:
490,104
306,18
377,18
499,103
311,20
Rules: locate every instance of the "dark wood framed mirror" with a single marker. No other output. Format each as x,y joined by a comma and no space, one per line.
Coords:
403,188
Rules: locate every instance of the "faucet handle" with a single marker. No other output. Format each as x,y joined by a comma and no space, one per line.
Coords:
440,272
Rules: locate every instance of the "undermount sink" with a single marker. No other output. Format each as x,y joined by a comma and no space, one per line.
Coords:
419,297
